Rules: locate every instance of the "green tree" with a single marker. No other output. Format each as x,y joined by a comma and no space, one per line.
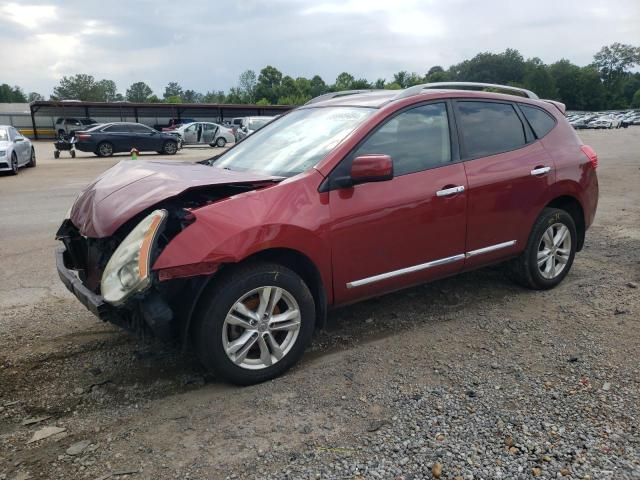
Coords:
566,76
191,96
635,101
173,99
268,85
214,96
503,68
173,89
263,102
9,94
538,79
247,84
107,91
318,87
34,97
344,81
139,92
614,63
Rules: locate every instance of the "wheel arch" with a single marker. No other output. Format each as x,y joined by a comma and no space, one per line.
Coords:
295,260
573,207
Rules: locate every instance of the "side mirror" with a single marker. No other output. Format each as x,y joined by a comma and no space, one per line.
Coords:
371,168
18,139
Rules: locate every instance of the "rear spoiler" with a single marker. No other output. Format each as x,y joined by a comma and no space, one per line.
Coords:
559,105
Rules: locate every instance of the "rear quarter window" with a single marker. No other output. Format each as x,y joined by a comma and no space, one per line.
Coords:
541,122
488,128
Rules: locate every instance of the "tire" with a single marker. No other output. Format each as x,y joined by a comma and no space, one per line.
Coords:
559,254
221,142
73,153
170,147
14,164
32,161
247,287
56,154
105,149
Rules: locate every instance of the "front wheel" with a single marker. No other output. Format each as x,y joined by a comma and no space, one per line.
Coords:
550,251
32,160
14,164
170,147
254,323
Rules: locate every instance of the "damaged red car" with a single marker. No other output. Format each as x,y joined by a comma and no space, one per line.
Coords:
351,196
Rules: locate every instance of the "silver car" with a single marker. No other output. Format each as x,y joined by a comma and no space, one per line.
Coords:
204,133
15,150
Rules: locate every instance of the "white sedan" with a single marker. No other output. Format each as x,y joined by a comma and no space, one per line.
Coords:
204,133
15,150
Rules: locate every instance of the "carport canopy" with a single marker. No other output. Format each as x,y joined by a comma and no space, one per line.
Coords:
45,113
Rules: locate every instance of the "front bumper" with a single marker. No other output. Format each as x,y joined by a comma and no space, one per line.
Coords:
147,314
94,303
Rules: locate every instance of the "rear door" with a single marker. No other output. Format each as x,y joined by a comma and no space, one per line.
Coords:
209,131
508,173
391,234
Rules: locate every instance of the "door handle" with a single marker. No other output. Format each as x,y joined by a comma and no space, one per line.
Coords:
445,192
540,170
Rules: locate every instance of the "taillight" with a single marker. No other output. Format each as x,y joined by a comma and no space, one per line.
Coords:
591,155
82,136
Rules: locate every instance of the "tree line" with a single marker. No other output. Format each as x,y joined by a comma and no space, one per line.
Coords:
609,82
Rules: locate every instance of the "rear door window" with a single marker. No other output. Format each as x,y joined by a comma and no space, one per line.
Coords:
117,128
488,128
139,129
540,121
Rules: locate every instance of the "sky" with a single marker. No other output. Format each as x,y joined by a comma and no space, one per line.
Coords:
205,45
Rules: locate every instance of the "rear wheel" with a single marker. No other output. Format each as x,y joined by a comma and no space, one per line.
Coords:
550,251
105,149
32,161
254,323
170,147
56,154
221,142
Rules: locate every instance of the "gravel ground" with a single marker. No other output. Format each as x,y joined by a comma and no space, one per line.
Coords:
466,378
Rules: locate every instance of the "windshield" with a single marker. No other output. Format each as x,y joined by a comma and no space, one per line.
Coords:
4,135
294,142
256,123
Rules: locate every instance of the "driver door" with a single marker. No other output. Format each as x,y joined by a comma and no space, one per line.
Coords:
391,234
21,147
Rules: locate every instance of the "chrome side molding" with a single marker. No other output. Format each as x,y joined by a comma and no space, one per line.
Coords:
433,263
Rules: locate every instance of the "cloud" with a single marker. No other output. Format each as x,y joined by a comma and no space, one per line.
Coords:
29,16
205,45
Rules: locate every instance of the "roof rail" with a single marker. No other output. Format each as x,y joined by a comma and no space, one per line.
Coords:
417,89
342,93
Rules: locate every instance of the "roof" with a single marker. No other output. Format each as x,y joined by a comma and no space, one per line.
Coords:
378,98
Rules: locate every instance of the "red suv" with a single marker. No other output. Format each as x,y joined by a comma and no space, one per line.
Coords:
351,196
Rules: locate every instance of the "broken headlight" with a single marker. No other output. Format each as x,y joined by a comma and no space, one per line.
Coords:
129,268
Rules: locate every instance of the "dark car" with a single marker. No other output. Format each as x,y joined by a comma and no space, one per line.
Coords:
350,196
106,139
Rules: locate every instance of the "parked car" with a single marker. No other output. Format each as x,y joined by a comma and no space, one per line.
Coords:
347,197
172,124
245,126
204,133
15,150
106,139
68,126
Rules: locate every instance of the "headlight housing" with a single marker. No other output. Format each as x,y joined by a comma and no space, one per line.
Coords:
129,268
3,153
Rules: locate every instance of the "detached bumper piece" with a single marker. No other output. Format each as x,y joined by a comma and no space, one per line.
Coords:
149,315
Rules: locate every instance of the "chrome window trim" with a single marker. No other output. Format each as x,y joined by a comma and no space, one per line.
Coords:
433,263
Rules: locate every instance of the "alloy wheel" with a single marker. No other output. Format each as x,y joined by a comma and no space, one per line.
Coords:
106,150
554,250
261,327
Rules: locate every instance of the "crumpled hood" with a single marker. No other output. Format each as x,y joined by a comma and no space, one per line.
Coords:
132,186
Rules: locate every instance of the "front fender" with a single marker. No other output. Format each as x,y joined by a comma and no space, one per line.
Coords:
292,215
